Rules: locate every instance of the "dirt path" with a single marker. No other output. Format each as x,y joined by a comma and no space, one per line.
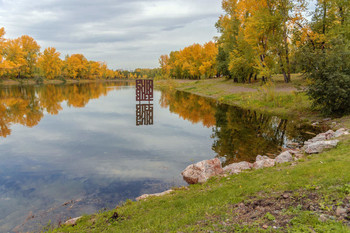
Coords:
235,89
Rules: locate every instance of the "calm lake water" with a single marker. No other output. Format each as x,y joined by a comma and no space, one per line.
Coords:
66,150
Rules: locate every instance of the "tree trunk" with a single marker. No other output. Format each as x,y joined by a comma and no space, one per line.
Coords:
324,17
341,13
287,54
285,75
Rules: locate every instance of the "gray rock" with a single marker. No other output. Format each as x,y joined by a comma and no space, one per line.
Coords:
259,157
298,156
284,157
202,171
321,137
323,218
263,161
292,145
319,146
341,132
294,151
236,168
144,196
72,222
340,211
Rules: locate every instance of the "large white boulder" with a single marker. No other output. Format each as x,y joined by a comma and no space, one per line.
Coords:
202,171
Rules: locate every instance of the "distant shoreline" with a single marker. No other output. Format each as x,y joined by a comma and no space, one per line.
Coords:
10,82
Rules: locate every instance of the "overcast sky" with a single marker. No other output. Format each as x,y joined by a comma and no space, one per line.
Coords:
126,34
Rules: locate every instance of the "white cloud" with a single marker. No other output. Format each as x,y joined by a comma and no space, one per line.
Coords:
125,34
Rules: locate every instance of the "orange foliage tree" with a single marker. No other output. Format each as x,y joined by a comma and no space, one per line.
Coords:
192,62
50,63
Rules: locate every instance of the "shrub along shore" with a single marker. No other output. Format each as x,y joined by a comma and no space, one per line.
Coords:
309,195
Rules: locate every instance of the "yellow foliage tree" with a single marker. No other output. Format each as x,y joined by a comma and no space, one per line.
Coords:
50,63
14,57
31,51
76,66
192,62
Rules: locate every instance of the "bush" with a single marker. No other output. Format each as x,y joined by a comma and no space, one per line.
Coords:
39,80
328,71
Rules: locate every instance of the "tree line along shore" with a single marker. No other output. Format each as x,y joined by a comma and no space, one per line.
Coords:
21,59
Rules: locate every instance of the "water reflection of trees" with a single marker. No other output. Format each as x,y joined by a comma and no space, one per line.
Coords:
190,107
26,105
239,135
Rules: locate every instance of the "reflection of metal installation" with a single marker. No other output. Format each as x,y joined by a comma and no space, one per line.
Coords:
144,112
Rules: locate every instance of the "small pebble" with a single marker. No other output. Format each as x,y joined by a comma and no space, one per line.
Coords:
323,218
340,211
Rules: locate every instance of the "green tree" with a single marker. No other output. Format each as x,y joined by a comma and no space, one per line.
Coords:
325,57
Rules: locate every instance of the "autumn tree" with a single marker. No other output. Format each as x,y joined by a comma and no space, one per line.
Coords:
164,65
14,57
93,70
4,65
208,66
50,63
255,37
192,62
76,66
31,51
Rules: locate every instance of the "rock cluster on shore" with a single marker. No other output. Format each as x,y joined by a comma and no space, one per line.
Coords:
202,171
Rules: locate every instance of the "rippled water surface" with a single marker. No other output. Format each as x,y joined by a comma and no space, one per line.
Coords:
71,149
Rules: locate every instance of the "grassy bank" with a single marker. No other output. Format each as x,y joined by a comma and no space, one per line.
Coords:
275,97
286,198
302,196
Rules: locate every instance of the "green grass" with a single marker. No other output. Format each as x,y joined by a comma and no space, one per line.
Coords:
275,97
295,103
327,174
208,207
